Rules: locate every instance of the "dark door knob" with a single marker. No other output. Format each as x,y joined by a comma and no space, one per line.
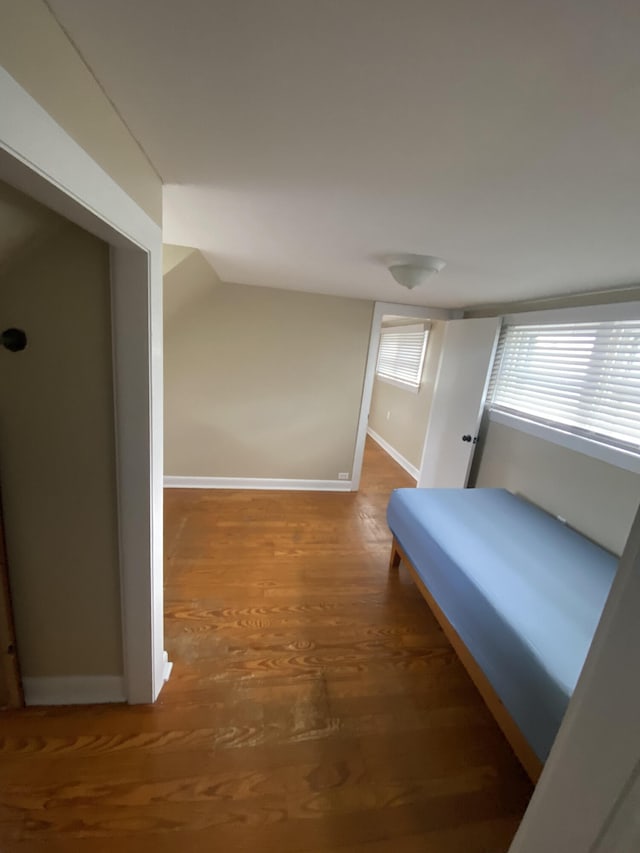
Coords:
466,438
13,339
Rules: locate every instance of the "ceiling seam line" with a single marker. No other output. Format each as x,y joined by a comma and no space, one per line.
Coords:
104,91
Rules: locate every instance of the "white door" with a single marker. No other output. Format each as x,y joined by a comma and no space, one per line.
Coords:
467,355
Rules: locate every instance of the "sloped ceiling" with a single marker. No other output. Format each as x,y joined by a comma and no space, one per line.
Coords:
300,140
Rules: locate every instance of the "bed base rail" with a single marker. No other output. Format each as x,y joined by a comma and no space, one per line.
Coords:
524,753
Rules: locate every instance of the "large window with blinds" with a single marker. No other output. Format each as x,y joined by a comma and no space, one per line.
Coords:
401,355
582,379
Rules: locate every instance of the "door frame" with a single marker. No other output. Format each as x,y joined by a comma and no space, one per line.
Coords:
41,160
380,309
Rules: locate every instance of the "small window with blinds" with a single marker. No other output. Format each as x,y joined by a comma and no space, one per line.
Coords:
401,355
580,378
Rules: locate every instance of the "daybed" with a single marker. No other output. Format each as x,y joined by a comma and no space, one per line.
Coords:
518,593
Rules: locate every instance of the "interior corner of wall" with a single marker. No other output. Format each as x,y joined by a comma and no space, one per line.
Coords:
188,265
172,255
211,266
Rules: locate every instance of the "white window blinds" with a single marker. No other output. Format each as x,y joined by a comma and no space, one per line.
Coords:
401,354
583,378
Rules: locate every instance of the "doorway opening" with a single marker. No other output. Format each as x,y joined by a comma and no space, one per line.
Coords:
406,367
40,160
399,433
57,450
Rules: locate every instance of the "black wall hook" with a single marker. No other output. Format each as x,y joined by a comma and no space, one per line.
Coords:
13,339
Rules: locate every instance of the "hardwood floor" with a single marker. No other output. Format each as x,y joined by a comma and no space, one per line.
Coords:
315,704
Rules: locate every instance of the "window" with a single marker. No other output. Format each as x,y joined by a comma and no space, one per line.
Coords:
401,354
582,379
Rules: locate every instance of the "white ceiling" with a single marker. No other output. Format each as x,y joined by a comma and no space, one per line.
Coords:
300,140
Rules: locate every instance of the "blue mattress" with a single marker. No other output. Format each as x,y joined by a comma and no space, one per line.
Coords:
523,591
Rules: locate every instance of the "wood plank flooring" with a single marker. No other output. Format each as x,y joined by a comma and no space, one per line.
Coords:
314,706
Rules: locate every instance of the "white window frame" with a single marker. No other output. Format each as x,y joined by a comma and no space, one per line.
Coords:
411,328
617,456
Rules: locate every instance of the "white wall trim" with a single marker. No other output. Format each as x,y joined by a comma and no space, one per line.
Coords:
393,453
39,158
380,309
260,483
168,666
74,690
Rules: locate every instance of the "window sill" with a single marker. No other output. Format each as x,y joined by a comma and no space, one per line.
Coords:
596,449
405,386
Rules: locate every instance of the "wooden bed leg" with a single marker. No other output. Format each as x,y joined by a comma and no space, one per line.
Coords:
394,559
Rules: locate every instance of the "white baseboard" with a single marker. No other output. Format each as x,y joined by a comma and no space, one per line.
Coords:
168,666
173,482
393,453
74,690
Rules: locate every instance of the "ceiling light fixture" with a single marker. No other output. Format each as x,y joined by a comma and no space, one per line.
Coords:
413,270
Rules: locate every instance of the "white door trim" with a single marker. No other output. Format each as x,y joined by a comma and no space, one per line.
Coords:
380,309
38,157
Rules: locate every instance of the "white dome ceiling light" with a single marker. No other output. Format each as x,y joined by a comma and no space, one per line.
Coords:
413,270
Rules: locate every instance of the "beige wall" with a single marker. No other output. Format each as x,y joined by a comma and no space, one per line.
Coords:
23,223
260,382
596,498
57,458
408,412
39,56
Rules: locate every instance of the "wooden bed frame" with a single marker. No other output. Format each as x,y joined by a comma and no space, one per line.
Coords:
523,751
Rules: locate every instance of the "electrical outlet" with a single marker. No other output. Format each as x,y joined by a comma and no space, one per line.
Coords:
343,475
388,415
